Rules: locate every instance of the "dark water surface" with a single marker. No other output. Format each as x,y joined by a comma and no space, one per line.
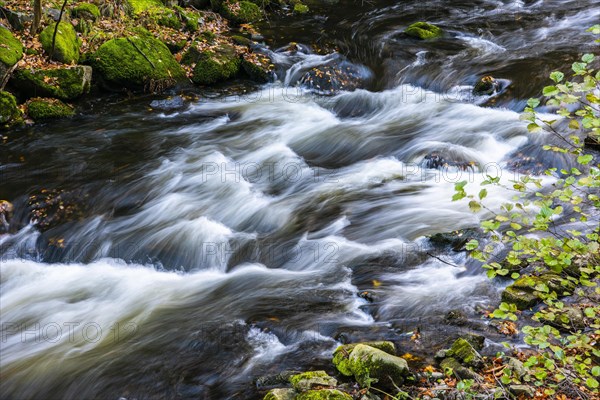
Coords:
230,238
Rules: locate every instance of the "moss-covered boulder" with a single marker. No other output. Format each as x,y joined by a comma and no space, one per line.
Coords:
138,63
241,12
40,109
341,355
370,365
464,352
424,30
300,8
527,291
87,11
324,394
11,51
63,83
213,66
67,45
486,86
280,394
258,67
311,379
139,6
10,115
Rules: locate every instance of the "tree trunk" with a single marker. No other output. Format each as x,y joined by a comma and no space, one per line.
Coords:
37,17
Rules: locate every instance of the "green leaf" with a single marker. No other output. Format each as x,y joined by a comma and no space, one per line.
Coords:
585,159
591,382
550,91
472,244
483,194
557,76
587,58
533,103
596,371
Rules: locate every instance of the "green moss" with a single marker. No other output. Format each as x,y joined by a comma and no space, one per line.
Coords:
280,394
463,351
342,353
307,380
136,62
241,40
300,8
10,115
324,394
42,109
241,12
66,49
523,293
164,16
87,11
62,83
370,365
140,6
258,66
424,30
11,49
213,66
191,19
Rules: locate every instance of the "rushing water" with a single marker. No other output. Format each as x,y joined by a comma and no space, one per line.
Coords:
230,238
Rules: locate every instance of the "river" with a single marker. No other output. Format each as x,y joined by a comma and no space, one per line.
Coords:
230,238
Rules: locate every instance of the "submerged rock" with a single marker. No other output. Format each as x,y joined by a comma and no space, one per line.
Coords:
341,355
311,379
63,83
172,103
67,44
435,160
40,109
335,76
6,209
10,114
424,30
137,62
11,51
50,208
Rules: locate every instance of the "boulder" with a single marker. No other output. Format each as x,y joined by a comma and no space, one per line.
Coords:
240,12
16,19
341,355
311,379
324,394
280,394
11,51
66,48
40,109
424,30
458,370
370,365
87,11
10,115
6,209
523,292
335,76
521,391
258,67
464,352
139,6
137,62
486,86
213,66
64,83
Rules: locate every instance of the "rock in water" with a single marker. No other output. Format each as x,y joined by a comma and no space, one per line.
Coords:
280,394
40,109
10,115
309,380
369,364
6,209
336,76
324,394
64,83
486,86
170,104
424,30
341,355
67,44
212,66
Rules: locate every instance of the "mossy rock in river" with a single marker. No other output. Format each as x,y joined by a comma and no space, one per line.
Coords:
526,291
10,115
424,30
67,44
40,109
324,394
138,63
11,51
369,364
213,66
87,11
258,67
280,394
309,380
341,355
240,12
63,83
463,351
